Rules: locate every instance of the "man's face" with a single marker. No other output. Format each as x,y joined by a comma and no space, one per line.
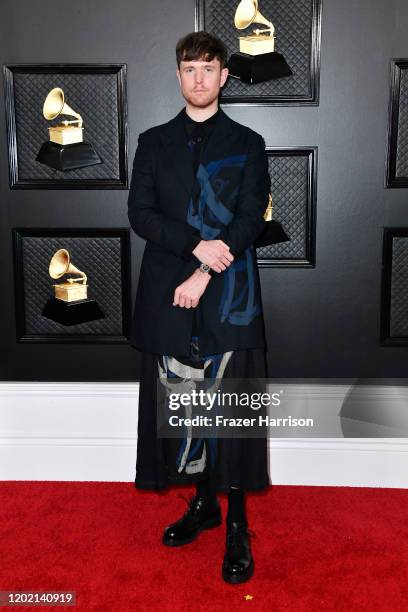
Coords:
200,81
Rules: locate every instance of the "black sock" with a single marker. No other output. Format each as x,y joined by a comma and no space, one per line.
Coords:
236,506
205,488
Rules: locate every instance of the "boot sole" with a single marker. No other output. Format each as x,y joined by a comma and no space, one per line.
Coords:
208,524
231,579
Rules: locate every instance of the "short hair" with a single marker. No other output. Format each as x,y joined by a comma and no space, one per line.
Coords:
201,46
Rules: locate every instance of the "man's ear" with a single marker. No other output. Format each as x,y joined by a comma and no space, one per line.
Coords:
178,76
224,76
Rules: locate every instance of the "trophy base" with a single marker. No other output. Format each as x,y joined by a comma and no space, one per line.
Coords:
71,292
68,157
273,233
257,45
258,68
72,313
65,135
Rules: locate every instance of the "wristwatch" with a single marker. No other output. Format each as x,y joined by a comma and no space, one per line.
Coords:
205,268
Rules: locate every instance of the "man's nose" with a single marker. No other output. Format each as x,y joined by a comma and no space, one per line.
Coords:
199,76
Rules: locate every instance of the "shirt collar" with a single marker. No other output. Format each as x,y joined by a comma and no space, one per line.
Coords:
200,124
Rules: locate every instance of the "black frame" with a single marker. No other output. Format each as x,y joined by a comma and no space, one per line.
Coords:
391,180
386,277
15,183
314,68
20,233
310,259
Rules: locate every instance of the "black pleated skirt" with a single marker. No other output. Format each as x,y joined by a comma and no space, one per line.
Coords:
239,462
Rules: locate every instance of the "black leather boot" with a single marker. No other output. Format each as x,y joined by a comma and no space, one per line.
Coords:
238,565
200,515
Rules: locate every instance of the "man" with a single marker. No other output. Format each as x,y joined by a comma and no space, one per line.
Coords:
199,190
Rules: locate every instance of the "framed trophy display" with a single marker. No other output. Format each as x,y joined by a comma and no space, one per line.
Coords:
66,126
72,285
394,293
397,143
293,172
273,49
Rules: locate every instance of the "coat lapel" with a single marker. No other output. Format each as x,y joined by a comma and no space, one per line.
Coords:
219,140
175,141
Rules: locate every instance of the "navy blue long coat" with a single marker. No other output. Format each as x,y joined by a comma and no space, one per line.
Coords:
234,187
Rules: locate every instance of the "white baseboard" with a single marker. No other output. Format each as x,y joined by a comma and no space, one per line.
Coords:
88,432
350,462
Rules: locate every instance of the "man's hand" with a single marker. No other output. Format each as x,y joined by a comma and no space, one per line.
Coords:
214,253
187,295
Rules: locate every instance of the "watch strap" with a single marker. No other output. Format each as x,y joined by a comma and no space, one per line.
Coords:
205,268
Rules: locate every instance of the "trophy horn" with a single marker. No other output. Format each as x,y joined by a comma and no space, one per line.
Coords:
247,13
60,264
268,210
55,105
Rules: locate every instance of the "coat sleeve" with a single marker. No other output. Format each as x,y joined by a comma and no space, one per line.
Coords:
144,217
248,220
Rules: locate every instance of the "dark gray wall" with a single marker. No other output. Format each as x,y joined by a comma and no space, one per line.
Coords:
320,322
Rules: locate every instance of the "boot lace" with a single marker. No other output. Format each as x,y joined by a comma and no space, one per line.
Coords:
191,502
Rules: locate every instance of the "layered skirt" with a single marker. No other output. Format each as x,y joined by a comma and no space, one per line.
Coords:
229,462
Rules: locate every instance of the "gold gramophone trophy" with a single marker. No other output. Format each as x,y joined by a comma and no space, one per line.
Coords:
273,232
65,149
70,304
75,288
257,60
259,42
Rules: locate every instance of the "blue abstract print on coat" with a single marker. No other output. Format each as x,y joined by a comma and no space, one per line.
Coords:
210,212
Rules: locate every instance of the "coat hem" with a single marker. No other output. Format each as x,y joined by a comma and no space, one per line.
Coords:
228,347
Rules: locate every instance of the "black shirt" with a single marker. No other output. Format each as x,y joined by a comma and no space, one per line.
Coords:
197,133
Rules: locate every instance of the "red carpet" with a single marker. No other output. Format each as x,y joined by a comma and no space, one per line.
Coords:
316,548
